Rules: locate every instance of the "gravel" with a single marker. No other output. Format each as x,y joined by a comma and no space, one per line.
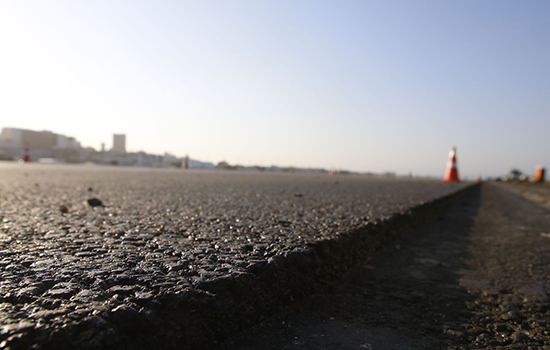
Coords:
166,251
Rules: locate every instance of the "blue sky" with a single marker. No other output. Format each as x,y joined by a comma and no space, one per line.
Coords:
361,85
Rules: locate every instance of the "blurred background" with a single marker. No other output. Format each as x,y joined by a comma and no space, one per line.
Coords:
365,86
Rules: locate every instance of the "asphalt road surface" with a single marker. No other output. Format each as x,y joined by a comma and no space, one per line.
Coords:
476,278
83,248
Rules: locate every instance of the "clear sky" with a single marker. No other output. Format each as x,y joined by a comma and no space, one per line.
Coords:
360,85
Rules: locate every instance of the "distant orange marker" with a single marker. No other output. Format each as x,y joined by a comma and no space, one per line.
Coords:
26,157
478,178
451,174
539,174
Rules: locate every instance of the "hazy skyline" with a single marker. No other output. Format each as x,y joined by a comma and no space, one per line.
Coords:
359,85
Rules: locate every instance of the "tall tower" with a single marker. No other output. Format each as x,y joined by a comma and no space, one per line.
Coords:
119,143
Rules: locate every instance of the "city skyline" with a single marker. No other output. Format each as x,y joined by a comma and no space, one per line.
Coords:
45,146
363,86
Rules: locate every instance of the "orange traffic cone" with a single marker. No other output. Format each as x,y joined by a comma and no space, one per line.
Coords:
451,174
478,178
539,174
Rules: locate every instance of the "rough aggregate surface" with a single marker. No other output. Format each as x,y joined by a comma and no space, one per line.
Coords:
91,254
478,277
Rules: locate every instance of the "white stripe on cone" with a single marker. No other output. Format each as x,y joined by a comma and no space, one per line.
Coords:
451,165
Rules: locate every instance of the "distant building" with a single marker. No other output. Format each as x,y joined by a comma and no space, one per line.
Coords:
28,138
119,143
48,147
39,140
16,143
64,142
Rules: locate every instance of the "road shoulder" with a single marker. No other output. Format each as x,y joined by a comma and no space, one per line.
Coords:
475,278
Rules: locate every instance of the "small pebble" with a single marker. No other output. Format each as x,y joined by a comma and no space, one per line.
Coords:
94,202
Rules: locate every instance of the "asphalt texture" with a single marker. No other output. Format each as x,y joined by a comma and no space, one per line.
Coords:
91,256
477,277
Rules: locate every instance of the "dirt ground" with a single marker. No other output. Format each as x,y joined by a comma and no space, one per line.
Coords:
478,277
